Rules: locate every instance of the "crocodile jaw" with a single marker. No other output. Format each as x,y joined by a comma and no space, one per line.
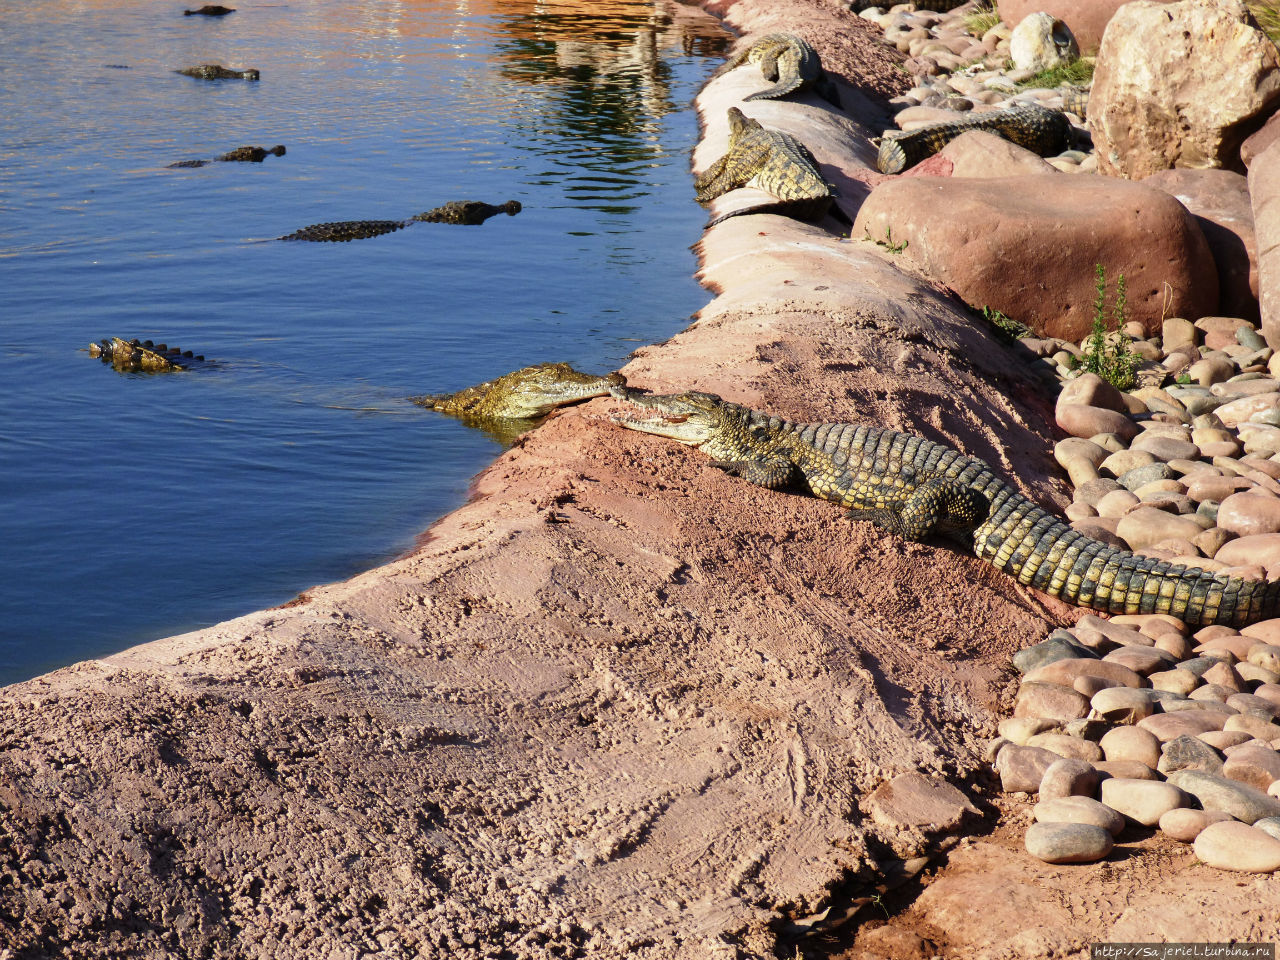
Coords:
686,417
686,431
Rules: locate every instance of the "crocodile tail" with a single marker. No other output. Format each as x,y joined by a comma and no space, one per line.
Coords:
892,157
1042,552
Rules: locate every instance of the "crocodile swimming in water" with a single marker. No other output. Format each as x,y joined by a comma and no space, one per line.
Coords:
771,160
1039,129
144,356
465,212
209,10
912,488
238,155
215,71
786,60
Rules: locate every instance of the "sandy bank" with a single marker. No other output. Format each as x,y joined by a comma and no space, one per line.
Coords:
617,705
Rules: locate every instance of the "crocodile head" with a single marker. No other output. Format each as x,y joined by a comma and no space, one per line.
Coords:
725,430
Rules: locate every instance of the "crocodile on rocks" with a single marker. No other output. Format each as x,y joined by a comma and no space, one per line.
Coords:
144,356
785,60
771,160
209,10
1044,131
215,71
912,487
465,212
935,6
523,394
238,155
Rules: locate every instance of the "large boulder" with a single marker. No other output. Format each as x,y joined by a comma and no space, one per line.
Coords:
981,153
1264,189
1042,42
1027,246
1180,85
1219,200
1086,18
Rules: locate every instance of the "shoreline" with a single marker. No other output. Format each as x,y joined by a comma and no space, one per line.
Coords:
616,704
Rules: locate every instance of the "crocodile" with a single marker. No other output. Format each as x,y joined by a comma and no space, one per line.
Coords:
238,155
466,212
523,394
145,356
912,487
1076,100
935,6
786,60
209,10
1045,131
771,160
215,71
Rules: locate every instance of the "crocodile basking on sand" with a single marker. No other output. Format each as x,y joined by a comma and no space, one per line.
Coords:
785,60
771,160
216,71
144,356
912,487
464,212
1044,131
238,155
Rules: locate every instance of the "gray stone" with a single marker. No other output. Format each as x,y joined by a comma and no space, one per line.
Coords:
1079,810
1139,477
1269,825
1060,646
1068,842
1243,802
1189,753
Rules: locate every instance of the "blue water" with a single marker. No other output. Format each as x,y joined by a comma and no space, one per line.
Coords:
137,506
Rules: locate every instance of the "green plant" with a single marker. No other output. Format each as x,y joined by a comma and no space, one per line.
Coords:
1108,354
981,20
1267,13
1005,328
887,242
1077,73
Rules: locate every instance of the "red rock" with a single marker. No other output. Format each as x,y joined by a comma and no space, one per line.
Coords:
1131,743
1069,777
982,154
1027,246
1219,200
1078,809
1092,391
1259,141
1143,801
1022,768
915,800
1235,412
1264,190
1056,701
1175,85
1246,514
1170,726
1264,631
1257,766
1087,19
1262,549
1083,421
1185,825
1229,845
1065,671
1147,526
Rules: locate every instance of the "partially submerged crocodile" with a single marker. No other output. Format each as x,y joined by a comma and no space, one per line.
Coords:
786,60
1044,131
238,155
143,355
209,10
912,487
216,71
465,212
774,161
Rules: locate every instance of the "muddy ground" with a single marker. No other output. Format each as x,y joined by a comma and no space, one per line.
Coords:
619,704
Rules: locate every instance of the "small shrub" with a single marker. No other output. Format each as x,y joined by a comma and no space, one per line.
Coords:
1006,329
887,242
981,20
1077,73
1108,354
1267,13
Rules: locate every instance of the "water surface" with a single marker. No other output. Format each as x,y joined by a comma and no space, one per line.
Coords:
136,506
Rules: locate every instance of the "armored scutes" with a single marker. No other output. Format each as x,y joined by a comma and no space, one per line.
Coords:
936,6
784,59
238,155
523,394
209,10
215,71
771,160
465,212
469,213
1044,131
143,356
912,487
